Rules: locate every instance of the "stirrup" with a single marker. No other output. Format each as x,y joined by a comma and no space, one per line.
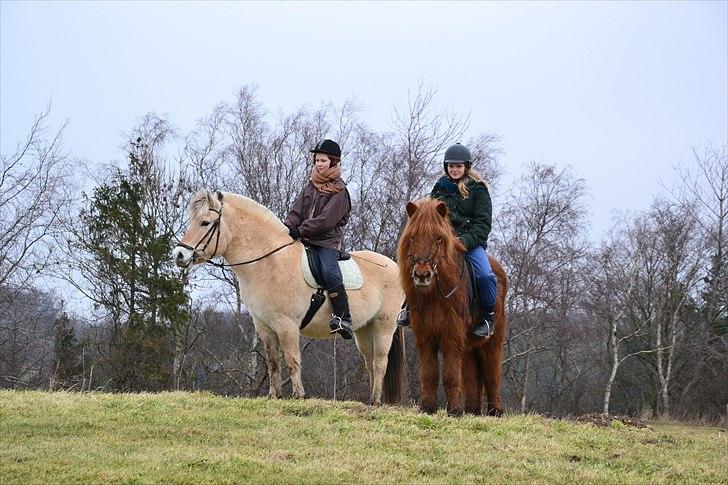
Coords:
403,318
486,328
341,326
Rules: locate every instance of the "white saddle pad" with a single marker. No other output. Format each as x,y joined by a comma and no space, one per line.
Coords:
350,271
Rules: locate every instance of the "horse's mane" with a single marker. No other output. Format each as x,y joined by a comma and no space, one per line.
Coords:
204,200
427,223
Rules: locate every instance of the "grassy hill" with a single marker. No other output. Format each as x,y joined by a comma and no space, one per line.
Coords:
183,437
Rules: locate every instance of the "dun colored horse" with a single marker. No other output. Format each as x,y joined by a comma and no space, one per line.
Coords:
267,263
440,314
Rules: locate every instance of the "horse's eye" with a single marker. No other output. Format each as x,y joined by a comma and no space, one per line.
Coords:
205,223
439,240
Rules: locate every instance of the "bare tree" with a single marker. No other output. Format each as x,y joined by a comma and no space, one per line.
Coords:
540,241
35,188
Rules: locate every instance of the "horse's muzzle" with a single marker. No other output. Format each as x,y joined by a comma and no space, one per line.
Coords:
421,278
182,257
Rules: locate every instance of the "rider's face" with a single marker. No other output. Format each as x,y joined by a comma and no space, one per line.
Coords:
322,162
456,170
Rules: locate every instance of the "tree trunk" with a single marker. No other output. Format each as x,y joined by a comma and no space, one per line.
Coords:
615,367
526,371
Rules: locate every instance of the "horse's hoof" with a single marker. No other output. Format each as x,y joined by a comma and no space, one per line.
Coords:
497,412
455,412
473,410
428,408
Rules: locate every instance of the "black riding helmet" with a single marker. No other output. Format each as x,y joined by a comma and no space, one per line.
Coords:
457,153
329,147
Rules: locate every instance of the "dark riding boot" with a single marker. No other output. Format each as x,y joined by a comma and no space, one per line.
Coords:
403,316
487,323
341,318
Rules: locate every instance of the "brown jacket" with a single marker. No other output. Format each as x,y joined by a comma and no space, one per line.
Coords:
320,216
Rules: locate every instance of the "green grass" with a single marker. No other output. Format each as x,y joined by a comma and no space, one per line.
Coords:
183,437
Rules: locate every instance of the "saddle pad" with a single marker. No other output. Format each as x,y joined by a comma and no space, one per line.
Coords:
350,271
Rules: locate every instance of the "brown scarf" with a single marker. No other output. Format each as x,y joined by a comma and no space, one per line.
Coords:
327,181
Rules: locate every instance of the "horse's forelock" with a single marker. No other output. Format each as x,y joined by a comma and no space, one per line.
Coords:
200,203
427,222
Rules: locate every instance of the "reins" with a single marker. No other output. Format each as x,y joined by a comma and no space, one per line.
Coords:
214,231
452,292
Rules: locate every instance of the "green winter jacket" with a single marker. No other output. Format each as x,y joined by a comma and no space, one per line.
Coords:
471,217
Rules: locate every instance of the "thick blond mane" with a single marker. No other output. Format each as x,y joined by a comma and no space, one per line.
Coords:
252,209
203,200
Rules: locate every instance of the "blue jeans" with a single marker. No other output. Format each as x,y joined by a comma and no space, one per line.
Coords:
484,276
327,261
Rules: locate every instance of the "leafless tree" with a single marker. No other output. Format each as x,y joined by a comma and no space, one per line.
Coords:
540,241
35,187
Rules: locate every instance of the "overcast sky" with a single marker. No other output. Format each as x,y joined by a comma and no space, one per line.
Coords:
621,91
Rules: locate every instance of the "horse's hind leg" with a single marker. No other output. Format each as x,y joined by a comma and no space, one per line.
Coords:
381,334
272,358
290,341
492,360
472,383
366,349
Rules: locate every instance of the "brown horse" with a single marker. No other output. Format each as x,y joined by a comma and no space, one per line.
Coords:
440,314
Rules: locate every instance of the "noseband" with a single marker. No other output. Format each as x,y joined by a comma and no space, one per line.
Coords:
429,260
212,231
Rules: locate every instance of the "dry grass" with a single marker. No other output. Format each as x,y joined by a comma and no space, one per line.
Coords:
182,437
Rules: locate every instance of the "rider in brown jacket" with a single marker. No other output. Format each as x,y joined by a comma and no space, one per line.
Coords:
317,218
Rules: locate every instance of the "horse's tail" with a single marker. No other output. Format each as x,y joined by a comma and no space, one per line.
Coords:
394,376
501,324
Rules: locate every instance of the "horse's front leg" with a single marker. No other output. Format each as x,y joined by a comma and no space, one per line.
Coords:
272,358
492,361
289,337
452,379
429,374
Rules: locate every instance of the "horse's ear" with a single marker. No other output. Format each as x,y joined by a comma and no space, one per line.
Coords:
442,209
219,196
411,208
210,198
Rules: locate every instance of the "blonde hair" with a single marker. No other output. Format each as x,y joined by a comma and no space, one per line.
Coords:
473,174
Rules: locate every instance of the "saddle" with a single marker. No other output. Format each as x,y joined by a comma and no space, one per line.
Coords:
350,271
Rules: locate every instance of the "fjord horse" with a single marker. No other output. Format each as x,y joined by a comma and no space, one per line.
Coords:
440,314
267,263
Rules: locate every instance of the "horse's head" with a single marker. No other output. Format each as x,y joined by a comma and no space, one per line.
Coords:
206,237
427,243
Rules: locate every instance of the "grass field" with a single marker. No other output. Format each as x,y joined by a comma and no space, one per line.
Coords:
183,437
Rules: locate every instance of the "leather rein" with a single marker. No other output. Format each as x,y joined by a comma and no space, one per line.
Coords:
214,232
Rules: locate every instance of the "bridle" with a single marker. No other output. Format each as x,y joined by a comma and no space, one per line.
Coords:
433,264
214,232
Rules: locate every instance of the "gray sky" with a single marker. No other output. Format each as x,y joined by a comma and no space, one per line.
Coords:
621,91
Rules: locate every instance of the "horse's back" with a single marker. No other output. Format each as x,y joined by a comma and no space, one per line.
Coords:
380,273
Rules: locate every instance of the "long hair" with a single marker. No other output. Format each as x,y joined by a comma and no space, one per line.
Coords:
473,174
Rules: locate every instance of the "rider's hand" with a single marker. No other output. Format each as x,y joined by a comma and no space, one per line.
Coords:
294,232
